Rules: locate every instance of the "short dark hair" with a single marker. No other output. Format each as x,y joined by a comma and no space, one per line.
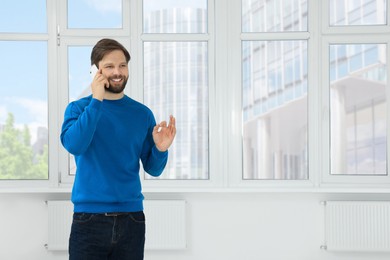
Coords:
105,46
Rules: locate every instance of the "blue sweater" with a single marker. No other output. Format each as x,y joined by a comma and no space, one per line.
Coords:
108,139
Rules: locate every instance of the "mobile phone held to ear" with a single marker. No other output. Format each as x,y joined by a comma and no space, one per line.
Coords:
93,71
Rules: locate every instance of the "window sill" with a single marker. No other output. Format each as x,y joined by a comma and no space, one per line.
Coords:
313,190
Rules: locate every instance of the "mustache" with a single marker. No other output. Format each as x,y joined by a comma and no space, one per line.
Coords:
117,77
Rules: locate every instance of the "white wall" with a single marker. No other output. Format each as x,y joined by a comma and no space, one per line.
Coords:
221,226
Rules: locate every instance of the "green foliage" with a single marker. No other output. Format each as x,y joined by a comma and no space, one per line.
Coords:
17,159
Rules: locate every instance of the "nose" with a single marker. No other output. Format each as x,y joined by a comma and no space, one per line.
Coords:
117,71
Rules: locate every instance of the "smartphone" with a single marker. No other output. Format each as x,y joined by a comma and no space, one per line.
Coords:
93,71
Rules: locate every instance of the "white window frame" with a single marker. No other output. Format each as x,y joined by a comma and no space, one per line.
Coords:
49,37
135,85
224,39
216,174
235,160
375,34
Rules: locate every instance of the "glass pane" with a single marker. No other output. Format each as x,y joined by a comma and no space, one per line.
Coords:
23,110
176,82
358,106
102,14
357,12
79,58
23,16
274,100
79,63
180,16
274,15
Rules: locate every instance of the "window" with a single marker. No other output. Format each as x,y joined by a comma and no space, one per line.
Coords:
357,92
23,110
178,16
23,16
24,134
265,93
176,81
360,12
274,92
81,26
274,16
94,14
358,110
275,124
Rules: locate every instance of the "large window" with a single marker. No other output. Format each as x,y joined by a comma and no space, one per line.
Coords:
176,81
24,125
274,92
357,91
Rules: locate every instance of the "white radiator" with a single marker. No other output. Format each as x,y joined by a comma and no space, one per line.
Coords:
165,224
357,226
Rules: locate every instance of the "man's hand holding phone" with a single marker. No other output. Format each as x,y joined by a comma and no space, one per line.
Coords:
99,83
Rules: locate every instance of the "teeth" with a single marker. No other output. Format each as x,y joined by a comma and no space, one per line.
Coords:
117,80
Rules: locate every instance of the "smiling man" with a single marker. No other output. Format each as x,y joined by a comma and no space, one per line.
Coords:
109,133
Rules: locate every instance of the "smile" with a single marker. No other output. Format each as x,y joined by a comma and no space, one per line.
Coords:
116,80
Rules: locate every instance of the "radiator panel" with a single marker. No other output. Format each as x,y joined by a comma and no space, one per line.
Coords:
60,219
165,224
357,225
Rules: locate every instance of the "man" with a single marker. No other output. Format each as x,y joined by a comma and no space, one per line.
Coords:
109,133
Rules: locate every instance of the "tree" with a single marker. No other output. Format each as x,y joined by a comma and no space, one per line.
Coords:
17,156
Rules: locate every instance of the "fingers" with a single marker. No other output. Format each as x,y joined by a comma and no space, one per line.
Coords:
163,124
99,77
172,121
171,126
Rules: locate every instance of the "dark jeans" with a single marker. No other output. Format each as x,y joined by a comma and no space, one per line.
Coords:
107,236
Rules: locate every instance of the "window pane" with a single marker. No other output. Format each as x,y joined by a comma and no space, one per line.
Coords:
79,81
180,16
274,101
176,82
23,16
274,15
23,110
79,58
358,109
347,12
87,14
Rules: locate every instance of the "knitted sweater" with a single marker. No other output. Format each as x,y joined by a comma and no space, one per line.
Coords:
108,139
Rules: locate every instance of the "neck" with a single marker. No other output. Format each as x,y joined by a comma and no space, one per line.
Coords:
113,96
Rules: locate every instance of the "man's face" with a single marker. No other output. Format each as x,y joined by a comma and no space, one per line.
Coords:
115,68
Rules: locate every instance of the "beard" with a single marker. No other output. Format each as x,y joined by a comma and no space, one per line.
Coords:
117,87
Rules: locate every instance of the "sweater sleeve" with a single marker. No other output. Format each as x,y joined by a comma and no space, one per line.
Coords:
153,160
79,126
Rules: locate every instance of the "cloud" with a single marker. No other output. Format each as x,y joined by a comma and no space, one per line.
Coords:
106,6
34,109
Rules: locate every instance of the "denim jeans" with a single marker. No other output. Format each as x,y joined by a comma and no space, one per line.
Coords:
107,236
